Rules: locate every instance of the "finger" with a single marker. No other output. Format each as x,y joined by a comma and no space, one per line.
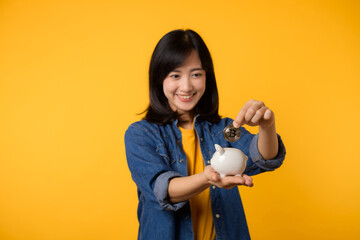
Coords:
253,109
229,182
259,115
244,180
268,114
215,176
233,180
248,180
240,118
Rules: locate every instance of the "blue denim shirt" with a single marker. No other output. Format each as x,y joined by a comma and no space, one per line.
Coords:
155,156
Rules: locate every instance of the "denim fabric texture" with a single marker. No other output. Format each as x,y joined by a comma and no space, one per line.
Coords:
155,155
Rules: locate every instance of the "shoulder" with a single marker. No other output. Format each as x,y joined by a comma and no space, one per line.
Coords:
145,129
143,126
139,132
151,136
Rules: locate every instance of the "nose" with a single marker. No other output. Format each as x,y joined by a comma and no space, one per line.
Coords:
186,84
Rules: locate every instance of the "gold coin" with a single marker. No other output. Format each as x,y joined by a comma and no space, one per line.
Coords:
231,133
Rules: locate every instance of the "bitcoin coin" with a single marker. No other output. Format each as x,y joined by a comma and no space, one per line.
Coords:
231,133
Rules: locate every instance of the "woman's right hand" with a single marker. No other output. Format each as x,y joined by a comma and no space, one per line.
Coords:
227,182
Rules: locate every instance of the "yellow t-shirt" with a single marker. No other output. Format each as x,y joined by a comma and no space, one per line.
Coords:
200,205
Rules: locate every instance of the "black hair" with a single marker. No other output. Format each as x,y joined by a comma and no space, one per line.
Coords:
170,52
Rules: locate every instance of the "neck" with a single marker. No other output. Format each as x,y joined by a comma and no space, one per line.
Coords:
186,121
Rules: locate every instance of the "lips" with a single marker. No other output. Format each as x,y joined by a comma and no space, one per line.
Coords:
185,98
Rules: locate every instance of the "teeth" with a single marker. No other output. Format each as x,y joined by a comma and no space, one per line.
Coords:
186,97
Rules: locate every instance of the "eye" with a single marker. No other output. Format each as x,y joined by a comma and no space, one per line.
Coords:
197,75
175,76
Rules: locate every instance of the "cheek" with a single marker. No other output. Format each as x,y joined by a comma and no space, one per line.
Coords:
168,87
201,86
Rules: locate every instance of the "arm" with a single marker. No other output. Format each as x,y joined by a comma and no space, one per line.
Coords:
149,170
268,142
184,188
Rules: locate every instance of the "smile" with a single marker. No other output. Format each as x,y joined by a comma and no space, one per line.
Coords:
186,97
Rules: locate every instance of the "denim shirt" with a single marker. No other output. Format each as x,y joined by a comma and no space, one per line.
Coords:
155,155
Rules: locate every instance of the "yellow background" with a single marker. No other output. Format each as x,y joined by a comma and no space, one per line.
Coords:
73,75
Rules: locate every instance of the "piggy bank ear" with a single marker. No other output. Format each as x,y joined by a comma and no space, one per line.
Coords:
219,149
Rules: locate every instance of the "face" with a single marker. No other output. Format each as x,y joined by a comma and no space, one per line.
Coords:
185,85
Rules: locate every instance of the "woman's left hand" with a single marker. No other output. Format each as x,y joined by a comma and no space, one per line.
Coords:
255,113
227,182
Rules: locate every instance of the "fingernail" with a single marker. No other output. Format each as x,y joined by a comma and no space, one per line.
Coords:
235,124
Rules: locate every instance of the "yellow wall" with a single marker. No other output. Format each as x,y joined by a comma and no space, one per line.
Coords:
73,75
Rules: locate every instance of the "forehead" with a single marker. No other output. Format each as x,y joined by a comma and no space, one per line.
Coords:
192,61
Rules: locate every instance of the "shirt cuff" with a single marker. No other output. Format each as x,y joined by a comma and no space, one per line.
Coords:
268,165
161,191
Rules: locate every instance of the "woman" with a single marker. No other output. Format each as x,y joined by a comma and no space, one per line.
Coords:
169,151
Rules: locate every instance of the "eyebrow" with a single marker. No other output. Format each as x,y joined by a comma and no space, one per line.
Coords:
194,69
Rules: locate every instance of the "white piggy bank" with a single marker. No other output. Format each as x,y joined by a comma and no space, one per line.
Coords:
228,161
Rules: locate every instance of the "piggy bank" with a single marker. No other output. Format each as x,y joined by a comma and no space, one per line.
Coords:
228,161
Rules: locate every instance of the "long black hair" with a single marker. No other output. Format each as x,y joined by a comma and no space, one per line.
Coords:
170,52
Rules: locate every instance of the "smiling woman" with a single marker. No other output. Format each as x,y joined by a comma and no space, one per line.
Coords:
169,151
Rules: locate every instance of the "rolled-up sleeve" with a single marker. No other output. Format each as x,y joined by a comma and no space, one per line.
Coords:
149,170
161,191
266,165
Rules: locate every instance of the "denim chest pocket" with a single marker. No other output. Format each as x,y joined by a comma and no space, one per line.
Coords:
166,154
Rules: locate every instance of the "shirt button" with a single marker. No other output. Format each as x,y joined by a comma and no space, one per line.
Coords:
217,215
213,187
208,162
181,160
201,139
187,216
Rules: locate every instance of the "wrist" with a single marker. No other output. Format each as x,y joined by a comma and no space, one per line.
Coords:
267,128
205,179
